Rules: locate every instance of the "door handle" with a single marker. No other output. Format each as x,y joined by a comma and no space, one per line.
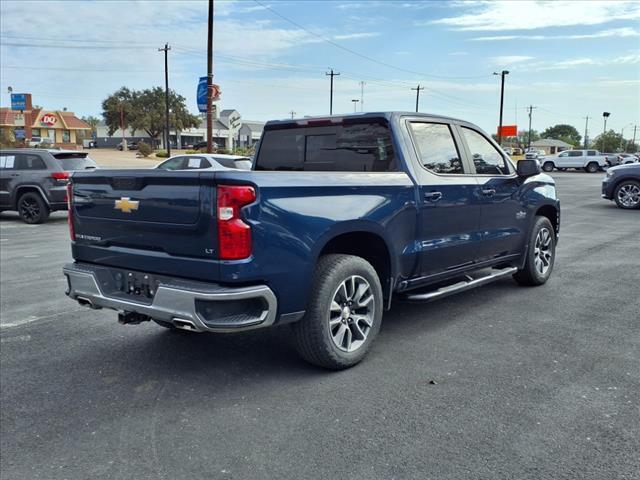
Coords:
433,196
14,174
489,192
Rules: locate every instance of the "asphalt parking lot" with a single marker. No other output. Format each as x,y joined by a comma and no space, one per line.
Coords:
499,382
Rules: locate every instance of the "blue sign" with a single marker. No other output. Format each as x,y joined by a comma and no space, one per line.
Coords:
19,133
18,101
202,94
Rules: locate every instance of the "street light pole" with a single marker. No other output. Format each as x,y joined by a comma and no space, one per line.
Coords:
502,75
605,115
167,142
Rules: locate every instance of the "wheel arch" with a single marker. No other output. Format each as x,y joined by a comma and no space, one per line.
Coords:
553,214
368,244
22,189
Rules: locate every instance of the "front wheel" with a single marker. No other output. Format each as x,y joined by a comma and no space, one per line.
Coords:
627,194
541,253
547,166
592,167
344,314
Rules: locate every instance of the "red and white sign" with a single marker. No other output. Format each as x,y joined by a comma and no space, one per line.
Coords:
48,120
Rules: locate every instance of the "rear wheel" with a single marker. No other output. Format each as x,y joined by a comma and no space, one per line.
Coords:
344,314
627,194
32,208
541,253
592,167
548,166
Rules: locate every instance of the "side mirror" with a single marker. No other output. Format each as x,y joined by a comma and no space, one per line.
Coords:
528,168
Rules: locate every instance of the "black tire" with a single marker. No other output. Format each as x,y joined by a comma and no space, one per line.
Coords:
531,274
592,167
32,208
315,339
627,195
548,166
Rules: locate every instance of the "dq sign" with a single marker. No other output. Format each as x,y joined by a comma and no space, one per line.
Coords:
48,120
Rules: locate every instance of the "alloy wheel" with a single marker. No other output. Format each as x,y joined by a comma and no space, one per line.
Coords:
351,314
629,195
29,209
542,251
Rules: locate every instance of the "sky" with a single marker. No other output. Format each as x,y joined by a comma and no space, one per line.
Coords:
569,59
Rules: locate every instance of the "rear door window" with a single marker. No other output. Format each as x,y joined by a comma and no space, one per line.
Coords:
591,153
575,153
29,162
436,147
351,147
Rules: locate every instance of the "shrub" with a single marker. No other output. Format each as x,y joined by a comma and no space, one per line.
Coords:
192,151
144,149
162,154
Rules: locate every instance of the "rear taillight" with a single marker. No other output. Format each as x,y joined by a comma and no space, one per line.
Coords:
72,232
60,175
234,236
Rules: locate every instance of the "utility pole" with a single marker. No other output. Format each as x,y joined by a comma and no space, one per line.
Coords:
362,96
210,78
417,89
531,107
502,74
293,114
634,139
331,91
167,142
586,131
355,104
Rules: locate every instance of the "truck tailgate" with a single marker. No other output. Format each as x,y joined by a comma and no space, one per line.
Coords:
121,215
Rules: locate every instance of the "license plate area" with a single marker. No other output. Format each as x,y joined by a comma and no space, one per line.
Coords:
142,286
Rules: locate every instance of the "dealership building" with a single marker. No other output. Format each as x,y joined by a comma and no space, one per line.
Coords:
62,128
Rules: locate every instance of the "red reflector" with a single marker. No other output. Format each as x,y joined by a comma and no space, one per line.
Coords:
234,235
60,175
72,232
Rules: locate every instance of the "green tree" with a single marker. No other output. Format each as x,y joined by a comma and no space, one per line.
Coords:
117,106
149,110
523,137
563,132
92,121
608,141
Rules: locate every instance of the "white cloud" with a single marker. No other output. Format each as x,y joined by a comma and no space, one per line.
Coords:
530,14
349,36
458,54
614,32
510,59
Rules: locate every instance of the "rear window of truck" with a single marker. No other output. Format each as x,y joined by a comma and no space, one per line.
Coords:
353,147
74,161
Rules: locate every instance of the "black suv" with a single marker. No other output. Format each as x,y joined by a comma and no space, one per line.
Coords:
34,182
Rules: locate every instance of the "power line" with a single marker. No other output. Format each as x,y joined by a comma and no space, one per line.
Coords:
353,52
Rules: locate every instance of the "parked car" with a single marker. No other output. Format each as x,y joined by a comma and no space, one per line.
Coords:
627,158
33,182
588,160
202,145
133,145
338,216
205,161
508,150
622,185
532,153
89,143
612,159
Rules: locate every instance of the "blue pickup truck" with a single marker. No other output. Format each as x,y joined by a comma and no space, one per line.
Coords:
338,217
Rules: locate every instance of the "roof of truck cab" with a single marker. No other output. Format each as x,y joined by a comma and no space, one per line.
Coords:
364,115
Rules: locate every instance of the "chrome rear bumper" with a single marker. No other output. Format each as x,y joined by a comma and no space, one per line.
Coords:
205,307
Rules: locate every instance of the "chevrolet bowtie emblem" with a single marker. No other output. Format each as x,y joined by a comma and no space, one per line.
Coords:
125,204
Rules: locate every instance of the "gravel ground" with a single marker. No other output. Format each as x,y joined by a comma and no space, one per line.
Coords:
501,382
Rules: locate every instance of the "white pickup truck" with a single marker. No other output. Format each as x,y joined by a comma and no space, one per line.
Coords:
589,160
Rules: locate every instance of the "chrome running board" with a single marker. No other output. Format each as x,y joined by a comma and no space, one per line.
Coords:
461,286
